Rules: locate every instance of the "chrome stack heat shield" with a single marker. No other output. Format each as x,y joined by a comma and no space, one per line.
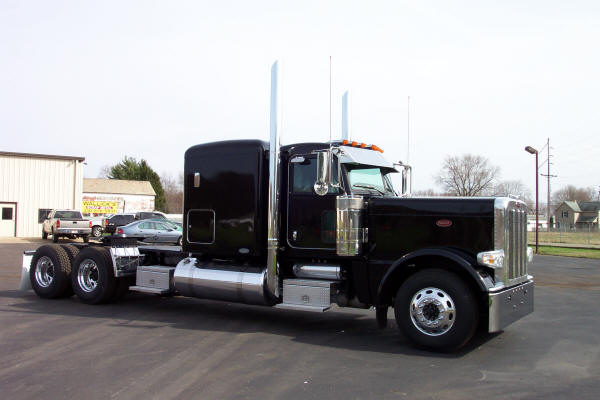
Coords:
350,233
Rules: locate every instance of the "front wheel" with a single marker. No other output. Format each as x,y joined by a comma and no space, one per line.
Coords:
436,309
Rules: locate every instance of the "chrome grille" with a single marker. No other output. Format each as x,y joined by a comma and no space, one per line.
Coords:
511,236
516,249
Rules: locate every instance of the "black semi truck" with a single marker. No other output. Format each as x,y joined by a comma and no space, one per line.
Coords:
308,225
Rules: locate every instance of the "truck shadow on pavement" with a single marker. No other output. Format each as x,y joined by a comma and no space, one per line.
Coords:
350,329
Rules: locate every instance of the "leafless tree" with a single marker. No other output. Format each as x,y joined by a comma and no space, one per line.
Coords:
572,193
517,190
512,188
427,193
104,172
173,192
467,175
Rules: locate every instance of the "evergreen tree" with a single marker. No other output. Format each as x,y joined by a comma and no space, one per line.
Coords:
130,169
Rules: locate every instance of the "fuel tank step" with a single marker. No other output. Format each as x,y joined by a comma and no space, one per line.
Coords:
155,279
308,295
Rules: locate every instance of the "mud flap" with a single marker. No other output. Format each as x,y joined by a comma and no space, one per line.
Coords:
25,282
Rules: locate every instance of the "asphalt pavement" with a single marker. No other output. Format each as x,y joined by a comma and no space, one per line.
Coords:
180,348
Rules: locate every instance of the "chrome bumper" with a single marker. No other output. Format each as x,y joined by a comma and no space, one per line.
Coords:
74,231
509,305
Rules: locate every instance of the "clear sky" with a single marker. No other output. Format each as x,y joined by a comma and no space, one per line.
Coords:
148,79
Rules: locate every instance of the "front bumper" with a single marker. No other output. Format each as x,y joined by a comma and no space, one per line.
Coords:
509,305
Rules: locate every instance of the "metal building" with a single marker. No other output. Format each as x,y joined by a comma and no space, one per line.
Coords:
33,184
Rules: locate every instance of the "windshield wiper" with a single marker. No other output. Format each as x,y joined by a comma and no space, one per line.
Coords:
366,186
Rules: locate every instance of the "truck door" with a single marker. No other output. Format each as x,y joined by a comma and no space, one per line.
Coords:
311,218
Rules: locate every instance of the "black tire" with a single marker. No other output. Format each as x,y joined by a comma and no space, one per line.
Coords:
93,278
180,241
49,272
44,234
96,231
86,238
453,321
72,252
54,237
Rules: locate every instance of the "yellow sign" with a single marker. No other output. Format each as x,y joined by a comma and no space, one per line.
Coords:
100,207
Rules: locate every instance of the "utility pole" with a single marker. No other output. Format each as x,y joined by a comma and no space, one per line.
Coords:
548,176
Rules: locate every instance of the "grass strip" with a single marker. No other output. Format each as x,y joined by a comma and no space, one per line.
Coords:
569,252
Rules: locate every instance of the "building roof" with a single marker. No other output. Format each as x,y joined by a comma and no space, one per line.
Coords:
117,186
589,205
46,156
587,218
573,205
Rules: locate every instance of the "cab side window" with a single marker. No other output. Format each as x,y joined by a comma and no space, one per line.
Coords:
304,176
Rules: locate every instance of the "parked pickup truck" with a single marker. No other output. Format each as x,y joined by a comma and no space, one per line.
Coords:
66,223
97,224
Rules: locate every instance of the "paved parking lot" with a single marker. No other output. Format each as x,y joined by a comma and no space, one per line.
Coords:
163,348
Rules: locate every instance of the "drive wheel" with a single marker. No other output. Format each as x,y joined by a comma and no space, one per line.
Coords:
72,252
436,309
93,278
49,272
96,231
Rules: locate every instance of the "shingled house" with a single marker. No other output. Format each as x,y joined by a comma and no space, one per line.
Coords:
576,214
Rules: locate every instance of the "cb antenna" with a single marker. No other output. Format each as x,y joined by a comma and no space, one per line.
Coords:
408,131
330,102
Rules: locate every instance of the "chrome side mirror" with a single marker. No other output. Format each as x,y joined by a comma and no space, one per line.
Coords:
322,184
406,178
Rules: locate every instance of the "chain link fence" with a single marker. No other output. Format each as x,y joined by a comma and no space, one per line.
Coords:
584,236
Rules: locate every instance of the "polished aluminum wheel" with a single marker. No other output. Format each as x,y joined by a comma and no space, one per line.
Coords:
87,275
44,271
432,311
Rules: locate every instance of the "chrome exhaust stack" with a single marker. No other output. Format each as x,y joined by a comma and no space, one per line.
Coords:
272,275
241,283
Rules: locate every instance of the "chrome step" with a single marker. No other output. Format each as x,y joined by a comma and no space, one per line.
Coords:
307,294
298,307
155,279
149,290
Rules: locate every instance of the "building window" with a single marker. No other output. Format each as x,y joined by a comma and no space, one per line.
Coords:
565,214
43,214
7,213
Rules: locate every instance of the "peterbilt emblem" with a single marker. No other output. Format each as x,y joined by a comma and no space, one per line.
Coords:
443,223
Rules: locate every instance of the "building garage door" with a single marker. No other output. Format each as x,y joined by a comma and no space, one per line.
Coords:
8,217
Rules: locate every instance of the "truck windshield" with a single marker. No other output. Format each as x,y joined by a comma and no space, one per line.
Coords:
370,179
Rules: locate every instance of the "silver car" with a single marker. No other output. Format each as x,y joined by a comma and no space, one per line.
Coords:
151,231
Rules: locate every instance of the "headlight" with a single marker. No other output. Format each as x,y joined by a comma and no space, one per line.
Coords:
494,259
